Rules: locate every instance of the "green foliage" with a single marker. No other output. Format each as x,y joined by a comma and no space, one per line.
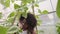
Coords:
36,5
20,30
19,14
0,15
2,1
25,8
58,9
26,1
24,14
3,30
38,20
23,11
39,11
36,16
16,6
13,29
45,12
6,3
58,27
12,1
10,20
40,31
12,14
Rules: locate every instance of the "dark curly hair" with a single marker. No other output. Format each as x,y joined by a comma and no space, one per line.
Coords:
31,22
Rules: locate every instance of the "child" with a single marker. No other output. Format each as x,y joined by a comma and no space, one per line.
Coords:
28,24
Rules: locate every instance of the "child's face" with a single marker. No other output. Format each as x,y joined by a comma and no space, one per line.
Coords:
23,25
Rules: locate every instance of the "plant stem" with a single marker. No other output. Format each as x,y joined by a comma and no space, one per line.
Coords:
33,7
15,18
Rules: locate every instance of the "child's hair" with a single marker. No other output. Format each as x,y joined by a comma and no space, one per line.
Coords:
30,21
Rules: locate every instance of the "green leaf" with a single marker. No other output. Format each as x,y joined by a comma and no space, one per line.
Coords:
13,29
12,14
36,16
7,3
39,22
2,1
24,14
58,27
19,13
58,9
25,8
29,1
16,6
26,1
40,31
39,11
36,5
12,1
3,30
45,12
10,20
20,30
0,15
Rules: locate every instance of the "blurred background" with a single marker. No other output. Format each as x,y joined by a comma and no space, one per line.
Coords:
49,21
